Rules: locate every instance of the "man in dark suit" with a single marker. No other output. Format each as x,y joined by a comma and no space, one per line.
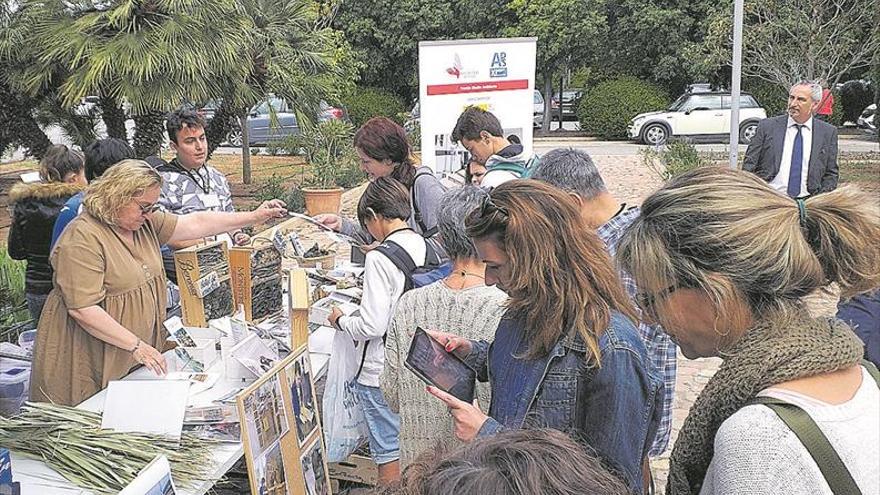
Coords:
796,153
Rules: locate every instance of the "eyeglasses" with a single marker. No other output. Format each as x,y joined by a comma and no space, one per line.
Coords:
147,209
648,302
489,207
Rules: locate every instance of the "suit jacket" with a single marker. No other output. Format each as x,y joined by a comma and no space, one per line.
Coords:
765,152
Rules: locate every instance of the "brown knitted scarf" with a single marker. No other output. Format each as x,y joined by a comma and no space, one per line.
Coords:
782,348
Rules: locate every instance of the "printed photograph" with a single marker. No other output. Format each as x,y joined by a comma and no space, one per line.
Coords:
314,469
265,418
269,472
163,487
302,398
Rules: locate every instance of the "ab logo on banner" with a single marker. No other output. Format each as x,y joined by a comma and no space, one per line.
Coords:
499,65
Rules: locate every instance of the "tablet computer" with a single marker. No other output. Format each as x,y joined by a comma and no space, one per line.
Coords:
430,361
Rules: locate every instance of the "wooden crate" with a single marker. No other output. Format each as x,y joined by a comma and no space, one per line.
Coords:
193,271
256,277
298,290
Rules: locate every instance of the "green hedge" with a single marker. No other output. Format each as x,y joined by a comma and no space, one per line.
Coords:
365,103
773,98
606,110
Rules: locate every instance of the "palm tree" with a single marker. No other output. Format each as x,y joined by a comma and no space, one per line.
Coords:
153,54
290,54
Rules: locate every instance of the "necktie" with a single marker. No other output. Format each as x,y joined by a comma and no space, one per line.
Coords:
797,158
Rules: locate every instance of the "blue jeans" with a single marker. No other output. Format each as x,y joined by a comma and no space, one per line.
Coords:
383,424
35,303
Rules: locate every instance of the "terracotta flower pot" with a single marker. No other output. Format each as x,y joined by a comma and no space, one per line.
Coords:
322,200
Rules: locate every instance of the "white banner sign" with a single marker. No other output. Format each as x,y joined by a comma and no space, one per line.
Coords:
497,75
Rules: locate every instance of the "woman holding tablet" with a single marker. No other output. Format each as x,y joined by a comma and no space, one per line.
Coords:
566,355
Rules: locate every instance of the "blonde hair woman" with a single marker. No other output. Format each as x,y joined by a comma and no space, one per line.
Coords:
723,261
105,312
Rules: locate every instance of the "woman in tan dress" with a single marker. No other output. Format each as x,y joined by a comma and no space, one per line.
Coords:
105,312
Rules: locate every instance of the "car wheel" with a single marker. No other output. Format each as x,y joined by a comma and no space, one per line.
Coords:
233,137
747,132
655,134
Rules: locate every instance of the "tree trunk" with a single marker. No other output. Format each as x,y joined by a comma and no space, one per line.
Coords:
245,150
548,93
149,132
114,117
19,127
561,97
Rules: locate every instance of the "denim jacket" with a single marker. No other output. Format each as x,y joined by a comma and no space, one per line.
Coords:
614,408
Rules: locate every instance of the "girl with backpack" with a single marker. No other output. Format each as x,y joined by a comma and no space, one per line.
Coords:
383,211
385,151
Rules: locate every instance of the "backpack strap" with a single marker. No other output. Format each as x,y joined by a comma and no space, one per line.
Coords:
820,449
417,215
401,259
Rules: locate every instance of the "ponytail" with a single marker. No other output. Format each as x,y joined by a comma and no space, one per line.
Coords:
842,228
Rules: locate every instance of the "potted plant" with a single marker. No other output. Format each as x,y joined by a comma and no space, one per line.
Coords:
328,147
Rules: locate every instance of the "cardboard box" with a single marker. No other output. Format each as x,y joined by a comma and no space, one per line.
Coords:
256,276
203,270
356,468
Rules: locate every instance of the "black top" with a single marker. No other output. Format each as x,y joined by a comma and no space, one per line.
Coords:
35,208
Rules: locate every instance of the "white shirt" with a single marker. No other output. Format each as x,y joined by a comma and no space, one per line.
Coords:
757,454
495,178
780,182
383,286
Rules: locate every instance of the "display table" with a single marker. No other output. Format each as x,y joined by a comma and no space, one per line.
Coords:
37,478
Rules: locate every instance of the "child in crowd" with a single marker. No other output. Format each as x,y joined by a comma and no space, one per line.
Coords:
383,211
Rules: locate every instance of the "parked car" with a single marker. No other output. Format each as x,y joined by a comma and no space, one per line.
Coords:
868,119
260,126
703,116
570,100
539,109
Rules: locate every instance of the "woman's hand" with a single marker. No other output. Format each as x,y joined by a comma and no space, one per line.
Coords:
459,346
148,356
468,417
267,211
273,203
329,220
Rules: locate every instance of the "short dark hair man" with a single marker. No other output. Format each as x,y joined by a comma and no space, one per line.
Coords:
481,134
574,172
99,156
796,153
189,184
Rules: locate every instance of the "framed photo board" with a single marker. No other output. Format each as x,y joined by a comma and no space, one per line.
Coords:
281,431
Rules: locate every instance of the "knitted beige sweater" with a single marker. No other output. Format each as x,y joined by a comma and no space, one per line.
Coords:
473,313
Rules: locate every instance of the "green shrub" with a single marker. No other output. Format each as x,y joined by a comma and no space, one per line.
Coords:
329,149
606,110
274,188
13,308
772,97
365,103
678,157
854,97
836,110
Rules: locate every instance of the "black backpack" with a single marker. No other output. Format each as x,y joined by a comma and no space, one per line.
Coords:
404,262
